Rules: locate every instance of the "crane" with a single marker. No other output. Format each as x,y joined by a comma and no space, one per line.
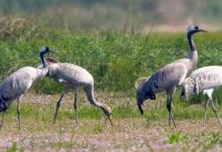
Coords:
170,76
205,80
18,83
74,77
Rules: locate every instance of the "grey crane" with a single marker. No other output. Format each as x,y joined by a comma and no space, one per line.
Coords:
74,77
18,83
205,80
170,76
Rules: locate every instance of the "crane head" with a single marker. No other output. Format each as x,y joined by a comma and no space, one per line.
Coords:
108,112
183,93
45,49
189,87
194,29
42,52
146,90
141,96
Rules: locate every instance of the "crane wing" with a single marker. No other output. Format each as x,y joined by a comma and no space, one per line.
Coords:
208,77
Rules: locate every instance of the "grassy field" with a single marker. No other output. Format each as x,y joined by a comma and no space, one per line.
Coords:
116,60
131,131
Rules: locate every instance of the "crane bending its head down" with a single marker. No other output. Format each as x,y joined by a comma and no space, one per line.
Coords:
75,77
206,80
190,87
18,83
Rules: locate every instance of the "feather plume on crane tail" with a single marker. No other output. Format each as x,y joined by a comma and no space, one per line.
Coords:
139,82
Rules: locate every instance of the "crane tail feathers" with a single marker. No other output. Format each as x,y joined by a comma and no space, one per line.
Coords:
139,82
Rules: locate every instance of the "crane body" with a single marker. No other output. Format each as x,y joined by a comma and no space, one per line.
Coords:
170,76
18,83
206,80
75,77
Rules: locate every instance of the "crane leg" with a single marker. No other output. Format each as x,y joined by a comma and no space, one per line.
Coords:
206,108
76,107
3,118
169,108
19,113
215,112
57,106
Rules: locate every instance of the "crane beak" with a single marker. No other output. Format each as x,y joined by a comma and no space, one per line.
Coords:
201,30
182,93
53,51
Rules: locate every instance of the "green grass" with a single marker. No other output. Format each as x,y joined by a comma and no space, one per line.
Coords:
177,137
115,59
153,110
131,130
96,134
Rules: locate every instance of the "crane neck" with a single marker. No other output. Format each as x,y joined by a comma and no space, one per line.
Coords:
191,42
193,56
43,59
90,96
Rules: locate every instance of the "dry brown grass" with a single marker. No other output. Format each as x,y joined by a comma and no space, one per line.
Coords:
128,134
97,135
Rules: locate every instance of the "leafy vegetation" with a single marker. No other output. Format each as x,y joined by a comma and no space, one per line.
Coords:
106,38
177,137
115,59
213,138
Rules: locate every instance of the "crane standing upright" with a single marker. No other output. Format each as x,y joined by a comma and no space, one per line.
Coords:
18,83
170,76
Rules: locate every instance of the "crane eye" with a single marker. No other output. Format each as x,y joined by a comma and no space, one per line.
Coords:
196,27
47,48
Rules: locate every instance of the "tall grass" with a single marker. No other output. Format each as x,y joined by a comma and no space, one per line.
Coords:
115,59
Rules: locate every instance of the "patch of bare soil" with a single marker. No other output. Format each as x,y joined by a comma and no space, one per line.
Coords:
98,135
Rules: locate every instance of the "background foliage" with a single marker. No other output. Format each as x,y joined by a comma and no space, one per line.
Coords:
115,59
123,15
